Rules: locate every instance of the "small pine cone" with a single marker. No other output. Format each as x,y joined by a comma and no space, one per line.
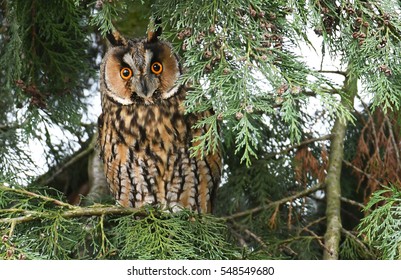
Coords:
239,115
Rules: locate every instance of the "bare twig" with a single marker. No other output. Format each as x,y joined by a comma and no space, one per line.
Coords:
312,223
327,90
275,203
256,238
357,240
66,210
370,177
366,107
318,238
247,212
287,250
238,236
299,237
251,234
353,202
393,141
306,142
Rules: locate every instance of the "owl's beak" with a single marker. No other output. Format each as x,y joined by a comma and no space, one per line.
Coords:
145,88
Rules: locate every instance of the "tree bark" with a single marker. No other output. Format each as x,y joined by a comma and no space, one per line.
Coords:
332,236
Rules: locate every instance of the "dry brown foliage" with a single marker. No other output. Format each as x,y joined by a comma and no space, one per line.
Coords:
308,166
378,153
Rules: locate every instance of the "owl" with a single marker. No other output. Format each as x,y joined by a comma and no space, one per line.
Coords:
145,135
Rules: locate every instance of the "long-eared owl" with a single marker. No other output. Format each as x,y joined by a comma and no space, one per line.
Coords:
145,135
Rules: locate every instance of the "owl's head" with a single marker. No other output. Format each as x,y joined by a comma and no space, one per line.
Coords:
139,70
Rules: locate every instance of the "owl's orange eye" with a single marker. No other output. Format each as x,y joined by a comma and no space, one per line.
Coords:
126,73
156,68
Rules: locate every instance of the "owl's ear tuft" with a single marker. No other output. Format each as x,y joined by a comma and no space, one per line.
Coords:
115,38
154,31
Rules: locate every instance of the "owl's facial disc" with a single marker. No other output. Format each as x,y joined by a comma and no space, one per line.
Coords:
141,72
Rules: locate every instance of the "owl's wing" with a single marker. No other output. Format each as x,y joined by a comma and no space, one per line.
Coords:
212,159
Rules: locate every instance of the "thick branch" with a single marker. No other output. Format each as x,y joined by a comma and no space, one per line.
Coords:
66,210
76,212
332,236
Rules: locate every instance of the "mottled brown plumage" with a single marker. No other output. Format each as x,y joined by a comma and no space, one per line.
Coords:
144,134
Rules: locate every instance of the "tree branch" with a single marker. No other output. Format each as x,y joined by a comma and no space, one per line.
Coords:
338,72
65,210
77,157
35,195
76,212
318,238
332,236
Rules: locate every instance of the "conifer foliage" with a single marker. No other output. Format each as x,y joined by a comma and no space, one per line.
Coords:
44,65
311,151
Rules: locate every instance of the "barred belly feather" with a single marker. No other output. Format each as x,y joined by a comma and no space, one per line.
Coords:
146,154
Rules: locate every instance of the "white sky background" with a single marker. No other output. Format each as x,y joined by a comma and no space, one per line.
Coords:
313,58
36,147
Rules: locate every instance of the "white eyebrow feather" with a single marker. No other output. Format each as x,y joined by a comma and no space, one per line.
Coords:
148,57
127,58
